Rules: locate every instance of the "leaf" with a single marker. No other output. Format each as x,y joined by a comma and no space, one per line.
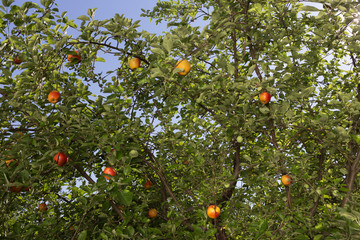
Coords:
99,59
130,230
356,138
264,110
103,236
7,3
309,9
83,18
251,69
258,7
318,237
158,51
82,200
125,197
263,227
287,76
168,43
156,72
308,91
82,235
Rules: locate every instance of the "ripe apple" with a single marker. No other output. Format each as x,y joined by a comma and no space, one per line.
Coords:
54,97
153,213
15,189
134,63
185,65
264,97
213,211
72,228
286,180
148,184
110,172
17,60
11,162
74,58
43,207
61,159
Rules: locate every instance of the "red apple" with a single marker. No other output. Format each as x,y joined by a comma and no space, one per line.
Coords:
265,97
110,172
43,207
54,97
213,211
15,189
286,180
148,184
11,162
153,213
17,60
74,58
61,159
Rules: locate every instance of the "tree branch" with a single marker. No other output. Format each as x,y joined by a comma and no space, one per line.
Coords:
87,177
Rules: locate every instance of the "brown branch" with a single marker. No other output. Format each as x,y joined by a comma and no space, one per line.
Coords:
161,175
228,192
252,53
292,139
251,48
288,197
278,229
64,199
83,173
111,47
350,179
235,54
87,177
319,196
165,184
319,177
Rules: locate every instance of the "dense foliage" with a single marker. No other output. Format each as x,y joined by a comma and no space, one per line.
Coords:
200,139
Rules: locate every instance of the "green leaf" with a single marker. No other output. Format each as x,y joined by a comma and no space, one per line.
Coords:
133,154
264,110
83,18
82,200
103,236
99,59
158,51
251,69
356,138
125,197
308,91
7,3
168,43
318,237
156,72
309,8
258,7
82,235
130,230
239,139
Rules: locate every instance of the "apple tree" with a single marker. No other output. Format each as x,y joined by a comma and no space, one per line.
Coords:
175,142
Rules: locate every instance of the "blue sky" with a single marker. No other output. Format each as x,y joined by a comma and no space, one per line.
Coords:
107,9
